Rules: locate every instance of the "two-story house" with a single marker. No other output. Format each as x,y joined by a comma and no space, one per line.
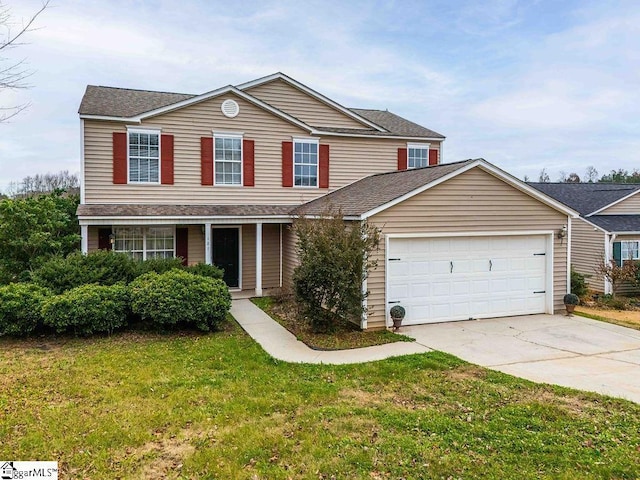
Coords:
219,177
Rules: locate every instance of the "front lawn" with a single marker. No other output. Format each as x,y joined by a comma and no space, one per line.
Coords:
625,318
216,406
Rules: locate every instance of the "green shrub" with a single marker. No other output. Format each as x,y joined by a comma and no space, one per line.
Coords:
88,309
205,270
578,283
157,265
335,258
102,267
20,308
177,297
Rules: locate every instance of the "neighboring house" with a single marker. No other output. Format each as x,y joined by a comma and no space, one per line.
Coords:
219,177
608,227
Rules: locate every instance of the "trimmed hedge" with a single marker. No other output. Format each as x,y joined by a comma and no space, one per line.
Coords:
105,267
88,309
20,308
180,297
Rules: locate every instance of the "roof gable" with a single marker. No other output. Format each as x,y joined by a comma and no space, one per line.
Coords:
588,198
373,194
356,120
133,106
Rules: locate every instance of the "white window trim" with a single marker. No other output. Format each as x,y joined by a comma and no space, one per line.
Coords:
150,131
624,258
311,140
229,135
144,238
422,146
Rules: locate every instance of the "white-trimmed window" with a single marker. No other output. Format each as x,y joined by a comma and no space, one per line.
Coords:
145,243
144,156
228,159
417,155
305,162
629,250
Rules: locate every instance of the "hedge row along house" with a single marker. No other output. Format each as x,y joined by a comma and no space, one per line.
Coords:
219,178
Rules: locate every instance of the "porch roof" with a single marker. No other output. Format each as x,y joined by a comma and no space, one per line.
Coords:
142,210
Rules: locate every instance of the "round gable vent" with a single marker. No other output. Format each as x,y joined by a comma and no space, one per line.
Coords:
230,108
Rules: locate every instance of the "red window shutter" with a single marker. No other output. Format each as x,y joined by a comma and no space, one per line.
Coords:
248,163
323,170
166,160
287,164
182,244
433,156
206,160
119,157
402,159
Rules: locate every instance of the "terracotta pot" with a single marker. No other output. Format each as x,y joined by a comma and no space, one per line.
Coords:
397,322
569,308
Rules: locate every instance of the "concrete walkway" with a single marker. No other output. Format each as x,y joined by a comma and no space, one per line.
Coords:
278,342
574,351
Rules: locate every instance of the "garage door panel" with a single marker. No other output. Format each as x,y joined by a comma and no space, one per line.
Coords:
491,276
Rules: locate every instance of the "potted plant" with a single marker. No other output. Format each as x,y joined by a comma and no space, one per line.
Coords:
397,315
570,302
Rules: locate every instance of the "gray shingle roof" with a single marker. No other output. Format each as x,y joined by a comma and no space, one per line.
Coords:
376,190
126,210
617,223
586,198
125,102
395,124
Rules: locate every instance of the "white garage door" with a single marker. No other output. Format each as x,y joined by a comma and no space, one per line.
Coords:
461,278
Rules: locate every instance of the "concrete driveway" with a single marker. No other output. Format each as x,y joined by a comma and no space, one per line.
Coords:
570,351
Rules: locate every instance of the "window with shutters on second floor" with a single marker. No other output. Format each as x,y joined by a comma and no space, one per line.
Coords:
418,155
228,159
144,156
305,163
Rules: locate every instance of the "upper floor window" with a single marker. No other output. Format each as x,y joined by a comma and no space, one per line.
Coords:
629,250
418,155
144,156
228,159
305,163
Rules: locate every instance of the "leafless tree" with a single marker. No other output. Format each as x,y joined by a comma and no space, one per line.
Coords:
544,176
572,178
14,74
616,274
591,174
45,183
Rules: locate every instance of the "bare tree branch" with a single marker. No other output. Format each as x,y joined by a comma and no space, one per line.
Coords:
13,75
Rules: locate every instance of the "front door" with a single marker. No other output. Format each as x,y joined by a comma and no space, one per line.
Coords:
226,254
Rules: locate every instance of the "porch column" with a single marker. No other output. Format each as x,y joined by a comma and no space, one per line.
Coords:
258,259
208,254
84,242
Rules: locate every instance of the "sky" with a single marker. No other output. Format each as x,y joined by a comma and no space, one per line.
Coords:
526,85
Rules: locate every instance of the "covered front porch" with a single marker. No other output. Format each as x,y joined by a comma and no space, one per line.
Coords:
257,253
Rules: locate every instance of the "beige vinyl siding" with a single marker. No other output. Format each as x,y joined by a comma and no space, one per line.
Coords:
302,106
289,257
270,256
474,201
630,206
92,244
195,244
350,158
248,257
587,249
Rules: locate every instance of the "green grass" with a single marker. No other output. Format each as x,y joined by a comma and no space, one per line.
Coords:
345,336
216,406
615,321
